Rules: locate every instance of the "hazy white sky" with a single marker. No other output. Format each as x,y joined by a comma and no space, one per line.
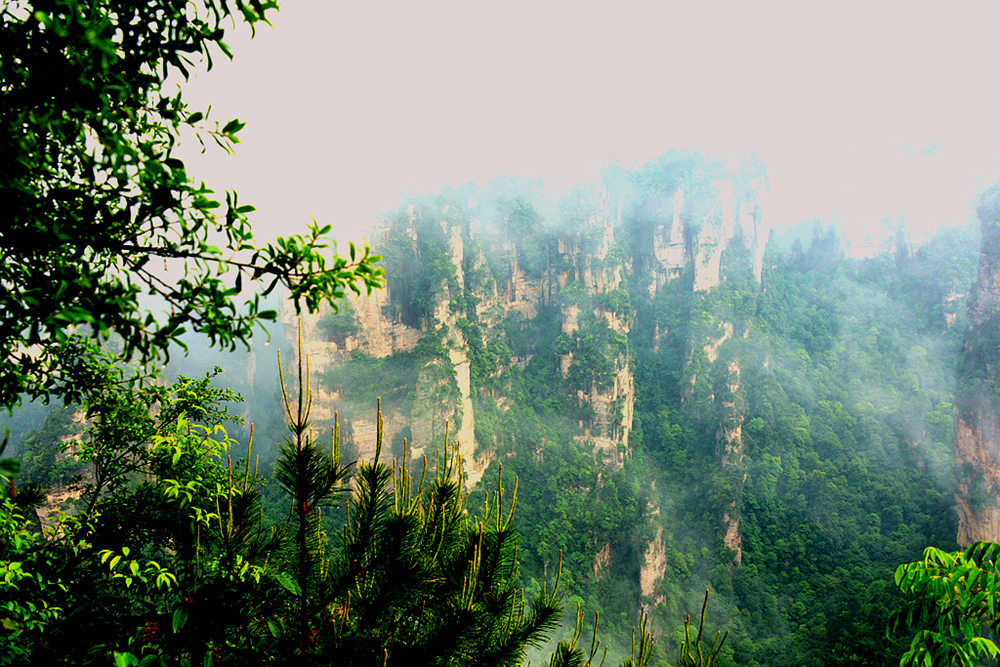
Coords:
862,111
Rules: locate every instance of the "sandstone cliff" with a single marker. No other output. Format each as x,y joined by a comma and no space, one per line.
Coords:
977,445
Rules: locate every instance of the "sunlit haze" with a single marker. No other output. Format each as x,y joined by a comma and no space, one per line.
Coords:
866,114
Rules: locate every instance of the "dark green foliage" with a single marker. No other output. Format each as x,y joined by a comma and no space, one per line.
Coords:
429,585
312,480
418,268
43,459
337,325
167,533
616,301
598,352
177,565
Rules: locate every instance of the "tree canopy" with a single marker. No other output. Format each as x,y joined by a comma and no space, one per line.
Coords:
100,211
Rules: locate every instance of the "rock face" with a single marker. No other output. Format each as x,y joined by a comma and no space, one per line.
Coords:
977,445
730,445
696,235
653,566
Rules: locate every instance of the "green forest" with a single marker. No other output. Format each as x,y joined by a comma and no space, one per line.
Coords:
845,399
630,423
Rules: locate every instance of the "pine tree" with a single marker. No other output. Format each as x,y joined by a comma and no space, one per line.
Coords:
414,579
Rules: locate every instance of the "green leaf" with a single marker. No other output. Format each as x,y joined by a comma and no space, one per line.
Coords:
179,619
288,583
125,659
233,126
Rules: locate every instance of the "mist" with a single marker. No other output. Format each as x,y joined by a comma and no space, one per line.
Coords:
863,115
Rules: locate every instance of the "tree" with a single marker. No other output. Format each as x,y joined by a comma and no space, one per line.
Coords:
956,598
97,204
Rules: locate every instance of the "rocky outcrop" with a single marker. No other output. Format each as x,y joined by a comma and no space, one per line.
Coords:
977,443
703,225
613,411
602,560
654,565
379,335
711,348
730,443
465,417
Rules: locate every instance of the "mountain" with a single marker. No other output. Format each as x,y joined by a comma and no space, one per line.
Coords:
687,398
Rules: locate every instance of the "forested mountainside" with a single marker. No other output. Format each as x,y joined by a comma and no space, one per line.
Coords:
688,399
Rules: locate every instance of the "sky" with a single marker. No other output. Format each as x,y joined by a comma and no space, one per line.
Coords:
866,114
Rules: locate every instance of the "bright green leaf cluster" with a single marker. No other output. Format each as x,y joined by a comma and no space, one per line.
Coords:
956,597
